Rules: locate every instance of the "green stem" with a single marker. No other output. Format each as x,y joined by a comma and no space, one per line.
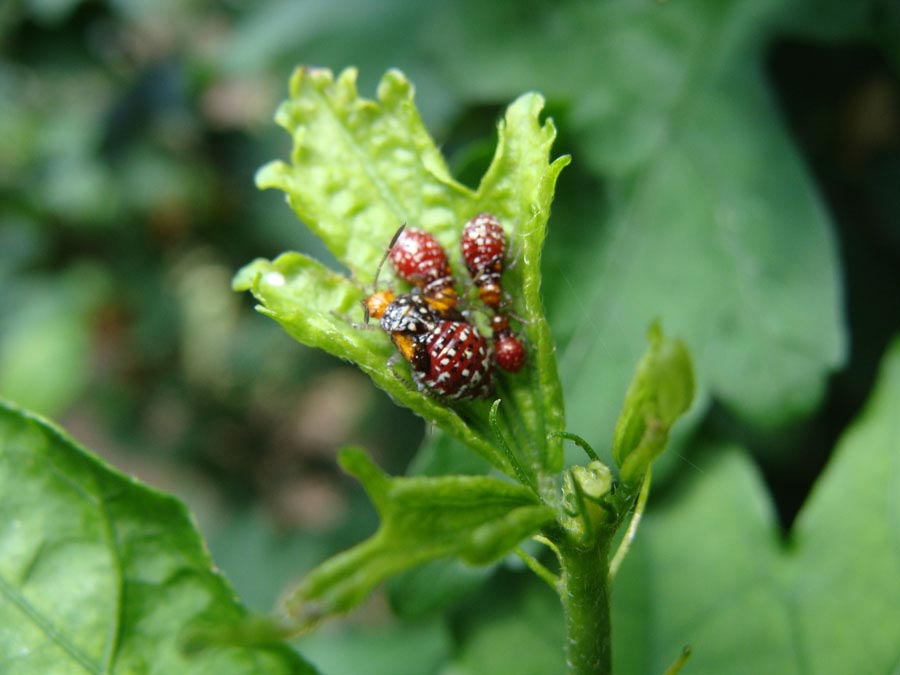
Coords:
585,595
577,440
535,566
636,517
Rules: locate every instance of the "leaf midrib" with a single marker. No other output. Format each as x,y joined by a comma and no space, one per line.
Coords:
366,160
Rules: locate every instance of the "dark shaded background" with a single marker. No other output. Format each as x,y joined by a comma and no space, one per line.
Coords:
130,131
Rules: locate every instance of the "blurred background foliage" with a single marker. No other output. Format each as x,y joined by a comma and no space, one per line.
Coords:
130,131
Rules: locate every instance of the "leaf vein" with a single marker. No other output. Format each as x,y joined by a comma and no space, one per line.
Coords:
380,187
113,635
47,628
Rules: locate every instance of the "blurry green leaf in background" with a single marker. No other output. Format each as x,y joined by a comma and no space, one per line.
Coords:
713,571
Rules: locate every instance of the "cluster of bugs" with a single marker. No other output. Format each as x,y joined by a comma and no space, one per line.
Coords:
448,355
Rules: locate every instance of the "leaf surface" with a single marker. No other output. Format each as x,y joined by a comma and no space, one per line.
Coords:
660,392
474,518
711,569
99,574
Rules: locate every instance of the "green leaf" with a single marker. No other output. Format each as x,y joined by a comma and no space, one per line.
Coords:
99,574
709,219
395,649
514,633
434,586
441,583
661,391
518,187
359,169
441,455
712,570
475,518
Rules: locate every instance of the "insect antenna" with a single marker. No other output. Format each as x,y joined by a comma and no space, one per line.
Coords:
387,252
384,258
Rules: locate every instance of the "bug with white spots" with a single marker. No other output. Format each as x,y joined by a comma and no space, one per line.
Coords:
484,246
419,259
459,362
449,359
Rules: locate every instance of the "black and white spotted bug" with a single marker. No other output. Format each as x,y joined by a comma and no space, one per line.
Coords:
408,313
459,362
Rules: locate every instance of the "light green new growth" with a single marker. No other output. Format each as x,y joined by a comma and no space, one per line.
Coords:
661,391
475,518
358,170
